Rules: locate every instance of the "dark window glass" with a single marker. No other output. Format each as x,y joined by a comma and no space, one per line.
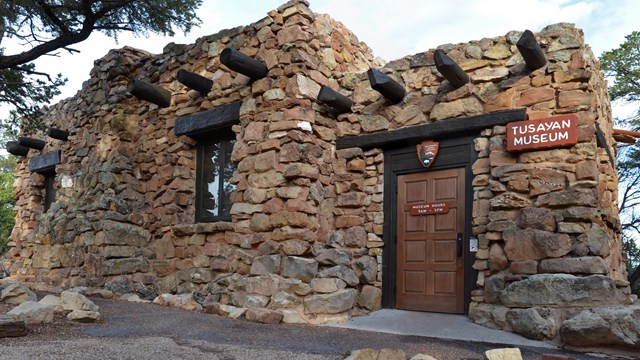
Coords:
213,173
49,190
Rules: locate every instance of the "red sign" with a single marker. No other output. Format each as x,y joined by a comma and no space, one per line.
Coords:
427,152
546,133
429,208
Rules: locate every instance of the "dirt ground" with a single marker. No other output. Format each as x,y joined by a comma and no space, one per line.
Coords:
147,331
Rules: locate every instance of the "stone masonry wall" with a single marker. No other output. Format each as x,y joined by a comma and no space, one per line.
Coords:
306,236
123,219
546,221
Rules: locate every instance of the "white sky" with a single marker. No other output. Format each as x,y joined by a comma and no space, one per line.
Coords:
392,29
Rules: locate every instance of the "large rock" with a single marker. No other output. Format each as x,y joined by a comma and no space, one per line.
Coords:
578,265
53,301
341,272
536,218
367,267
529,244
32,313
264,316
124,266
17,294
267,264
10,327
608,326
562,290
334,303
334,257
116,233
569,197
533,323
299,268
370,297
71,300
83,316
183,301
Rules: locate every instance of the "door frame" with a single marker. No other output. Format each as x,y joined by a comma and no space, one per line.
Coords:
454,153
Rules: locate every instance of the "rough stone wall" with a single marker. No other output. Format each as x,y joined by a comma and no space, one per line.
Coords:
546,221
124,214
307,221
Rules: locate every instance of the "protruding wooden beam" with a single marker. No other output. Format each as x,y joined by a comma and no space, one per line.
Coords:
334,99
58,134
246,65
31,142
149,92
450,70
16,149
386,86
531,51
194,81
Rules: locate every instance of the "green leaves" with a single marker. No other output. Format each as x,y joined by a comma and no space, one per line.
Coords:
44,27
7,200
623,63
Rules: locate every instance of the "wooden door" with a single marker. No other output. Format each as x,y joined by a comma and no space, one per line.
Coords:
430,263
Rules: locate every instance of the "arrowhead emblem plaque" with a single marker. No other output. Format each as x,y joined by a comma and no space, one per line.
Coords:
427,152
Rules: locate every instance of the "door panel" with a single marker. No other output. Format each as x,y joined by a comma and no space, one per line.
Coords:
430,275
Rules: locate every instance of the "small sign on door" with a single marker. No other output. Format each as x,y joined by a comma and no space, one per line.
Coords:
473,244
440,207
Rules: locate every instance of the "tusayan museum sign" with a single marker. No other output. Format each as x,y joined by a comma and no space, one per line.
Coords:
553,132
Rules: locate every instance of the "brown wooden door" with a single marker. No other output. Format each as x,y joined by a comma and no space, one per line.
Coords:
430,272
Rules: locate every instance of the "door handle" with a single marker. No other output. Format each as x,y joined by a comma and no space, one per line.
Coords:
459,243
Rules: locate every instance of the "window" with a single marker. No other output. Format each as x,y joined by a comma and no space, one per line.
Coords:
213,171
49,189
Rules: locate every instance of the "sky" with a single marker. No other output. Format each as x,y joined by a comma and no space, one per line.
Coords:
392,29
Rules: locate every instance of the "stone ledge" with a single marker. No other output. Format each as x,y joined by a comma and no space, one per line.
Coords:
202,228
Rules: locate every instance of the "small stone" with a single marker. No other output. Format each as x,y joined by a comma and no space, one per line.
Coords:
83,316
373,123
274,94
497,52
503,354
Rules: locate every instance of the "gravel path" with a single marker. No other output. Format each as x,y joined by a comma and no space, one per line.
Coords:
146,331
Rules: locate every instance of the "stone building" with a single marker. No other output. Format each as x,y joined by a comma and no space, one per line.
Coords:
252,193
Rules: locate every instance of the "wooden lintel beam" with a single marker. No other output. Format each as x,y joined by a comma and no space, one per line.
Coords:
16,149
440,129
334,99
450,70
31,143
244,64
149,92
389,88
531,51
45,163
194,81
58,134
203,123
